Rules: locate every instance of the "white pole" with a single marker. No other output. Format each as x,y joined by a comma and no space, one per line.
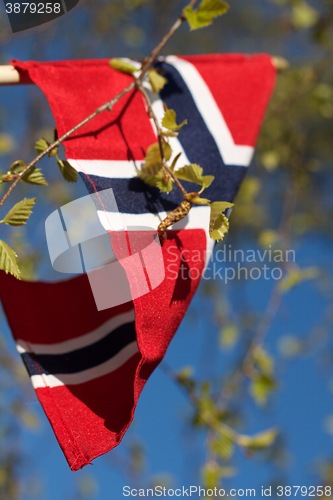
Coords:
10,76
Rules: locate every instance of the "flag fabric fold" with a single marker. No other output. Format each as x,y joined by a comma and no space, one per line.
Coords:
89,366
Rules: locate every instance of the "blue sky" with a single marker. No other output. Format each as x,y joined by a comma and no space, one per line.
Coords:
302,401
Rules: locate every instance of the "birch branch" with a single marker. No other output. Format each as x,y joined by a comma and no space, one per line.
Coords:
104,107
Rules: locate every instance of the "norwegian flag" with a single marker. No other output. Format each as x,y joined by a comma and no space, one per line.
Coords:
88,365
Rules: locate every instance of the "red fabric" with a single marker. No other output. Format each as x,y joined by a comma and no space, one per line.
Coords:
247,80
89,419
98,83
240,79
60,309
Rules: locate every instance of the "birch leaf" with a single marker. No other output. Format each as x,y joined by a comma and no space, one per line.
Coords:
169,120
20,212
204,15
156,80
8,260
123,66
219,223
68,172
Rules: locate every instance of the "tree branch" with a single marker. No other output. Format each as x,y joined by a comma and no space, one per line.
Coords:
156,51
160,138
104,107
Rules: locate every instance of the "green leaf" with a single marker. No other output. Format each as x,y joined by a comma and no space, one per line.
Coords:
206,181
204,15
69,173
8,260
222,446
7,177
291,346
304,16
156,80
20,212
28,418
164,182
169,120
154,175
268,237
207,410
185,378
196,199
148,173
263,361
229,336
123,66
18,165
261,388
153,154
211,475
190,173
270,160
219,228
42,144
193,173
35,176
152,172
219,224
297,276
184,374
220,206
227,472
6,144
172,167
259,441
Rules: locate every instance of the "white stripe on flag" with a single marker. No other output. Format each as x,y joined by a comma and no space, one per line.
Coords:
198,218
158,108
232,154
116,169
43,381
79,342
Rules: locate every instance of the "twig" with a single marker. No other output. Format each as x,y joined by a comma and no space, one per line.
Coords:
160,139
245,368
185,206
211,420
155,52
104,107
207,416
276,295
262,329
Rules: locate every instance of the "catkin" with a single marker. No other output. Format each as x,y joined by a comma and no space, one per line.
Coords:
176,215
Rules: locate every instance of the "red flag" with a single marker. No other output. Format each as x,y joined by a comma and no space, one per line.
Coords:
89,364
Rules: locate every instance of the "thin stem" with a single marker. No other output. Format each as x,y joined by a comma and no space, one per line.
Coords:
262,329
155,52
212,421
276,295
245,368
160,138
104,107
